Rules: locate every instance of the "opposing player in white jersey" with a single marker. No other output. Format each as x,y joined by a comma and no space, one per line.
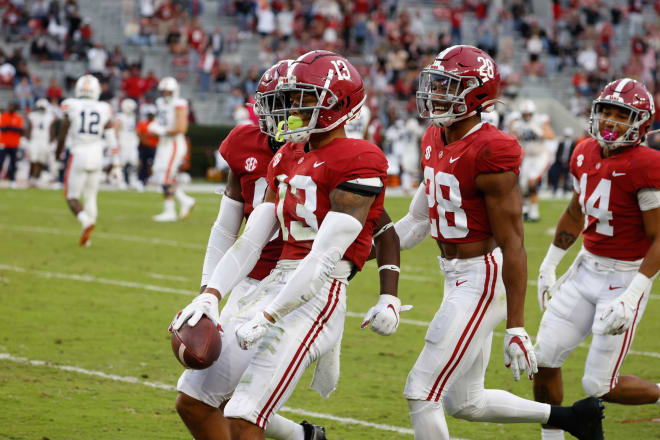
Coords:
171,125
357,127
533,132
41,134
616,207
470,204
87,121
125,122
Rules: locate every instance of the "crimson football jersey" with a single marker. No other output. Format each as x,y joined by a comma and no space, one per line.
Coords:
247,152
608,197
457,209
303,182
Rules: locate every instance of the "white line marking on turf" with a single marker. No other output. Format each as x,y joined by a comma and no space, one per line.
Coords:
93,279
124,237
167,387
160,276
163,289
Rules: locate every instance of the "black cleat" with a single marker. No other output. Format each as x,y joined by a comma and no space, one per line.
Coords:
313,432
588,421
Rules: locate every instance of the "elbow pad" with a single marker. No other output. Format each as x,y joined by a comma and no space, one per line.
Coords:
240,259
223,234
414,227
337,232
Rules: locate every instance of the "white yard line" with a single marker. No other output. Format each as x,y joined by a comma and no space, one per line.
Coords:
123,237
161,276
167,387
163,289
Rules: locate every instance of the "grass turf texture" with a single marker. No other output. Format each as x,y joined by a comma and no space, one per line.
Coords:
122,329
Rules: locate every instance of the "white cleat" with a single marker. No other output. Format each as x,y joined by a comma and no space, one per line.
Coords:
186,208
165,217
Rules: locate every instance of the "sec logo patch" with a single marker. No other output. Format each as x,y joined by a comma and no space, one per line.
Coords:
250,164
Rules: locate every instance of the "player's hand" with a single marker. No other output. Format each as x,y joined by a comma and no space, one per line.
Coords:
519,353
204,304
252,331
547,278
619,315
384,316
157,129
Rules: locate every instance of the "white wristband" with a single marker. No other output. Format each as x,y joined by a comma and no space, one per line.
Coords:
554,256
389,267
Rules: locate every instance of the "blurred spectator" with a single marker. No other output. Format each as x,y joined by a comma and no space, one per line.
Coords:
23,94
147,9
217,41
97,58
54,91
7,73
207,63
559,170
265,19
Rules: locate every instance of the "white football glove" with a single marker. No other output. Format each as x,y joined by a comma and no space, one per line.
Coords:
384,316
252,331
519,353
157,129
547,278
204,304
620,312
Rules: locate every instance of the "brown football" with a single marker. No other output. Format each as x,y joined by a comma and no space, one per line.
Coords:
197,347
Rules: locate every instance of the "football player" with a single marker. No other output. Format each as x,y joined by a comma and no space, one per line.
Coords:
171,125
533,132
616,207
126,122
41,134
470,204
325,192
87,121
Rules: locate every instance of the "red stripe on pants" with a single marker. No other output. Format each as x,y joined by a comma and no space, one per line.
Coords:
465,331
290,371
627,342
169,165
66,175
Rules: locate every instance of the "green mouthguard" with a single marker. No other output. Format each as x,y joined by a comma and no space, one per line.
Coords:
293,123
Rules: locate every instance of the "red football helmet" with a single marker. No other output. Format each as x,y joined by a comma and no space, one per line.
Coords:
462,81
264,98
631,96
323,85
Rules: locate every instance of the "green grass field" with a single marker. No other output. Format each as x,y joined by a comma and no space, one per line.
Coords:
85,352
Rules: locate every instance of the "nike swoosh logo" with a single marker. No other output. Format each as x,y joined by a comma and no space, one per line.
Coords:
452,160
615,174
318,164
614,288
458,283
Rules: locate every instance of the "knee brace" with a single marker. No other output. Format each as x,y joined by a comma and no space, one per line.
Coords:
595,387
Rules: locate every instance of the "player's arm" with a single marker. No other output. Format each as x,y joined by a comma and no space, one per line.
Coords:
28,130
234,265
225,228
180,122
415,226
567,232
620,312
504,208
111,134
548,132
51,131
61,140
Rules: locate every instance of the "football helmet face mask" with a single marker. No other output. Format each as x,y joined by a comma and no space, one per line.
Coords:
462,81
319,92
265,97
608,123
170,85
128,106
88,87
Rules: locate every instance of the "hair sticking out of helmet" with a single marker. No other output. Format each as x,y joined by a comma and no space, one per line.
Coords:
88,87
462,81
622,114
319,92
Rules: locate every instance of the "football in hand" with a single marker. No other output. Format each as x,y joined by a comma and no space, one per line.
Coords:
197,347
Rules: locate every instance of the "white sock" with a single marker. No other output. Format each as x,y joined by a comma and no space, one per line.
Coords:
428,420
552,434
180,196
658,402
84,219
502,407
169,206
534,210
281,428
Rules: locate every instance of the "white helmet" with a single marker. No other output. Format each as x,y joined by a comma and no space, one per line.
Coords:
169,84
41,104
128,106
88,86
527,107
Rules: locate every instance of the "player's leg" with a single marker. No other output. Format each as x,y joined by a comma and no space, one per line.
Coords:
163,176
606,355
297,340
90,208
186,203
74,179
564,325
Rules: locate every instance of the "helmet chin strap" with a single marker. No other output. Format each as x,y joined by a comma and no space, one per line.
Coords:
445,122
